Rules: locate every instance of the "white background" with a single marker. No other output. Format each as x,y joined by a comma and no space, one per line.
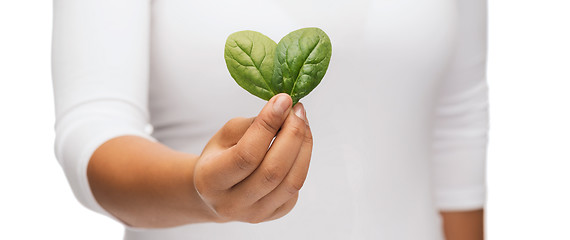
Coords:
529,152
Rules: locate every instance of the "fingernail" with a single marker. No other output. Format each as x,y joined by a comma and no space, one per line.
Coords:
281,104
299,111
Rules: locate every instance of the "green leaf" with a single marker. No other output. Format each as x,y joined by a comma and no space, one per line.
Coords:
249,57
301,60
294,66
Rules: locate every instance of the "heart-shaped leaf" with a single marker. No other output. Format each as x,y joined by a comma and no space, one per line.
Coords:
301,60
294,66
249,58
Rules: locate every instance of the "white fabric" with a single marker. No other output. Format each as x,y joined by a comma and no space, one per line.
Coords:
399,120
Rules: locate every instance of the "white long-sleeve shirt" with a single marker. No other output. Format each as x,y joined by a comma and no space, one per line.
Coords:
399,120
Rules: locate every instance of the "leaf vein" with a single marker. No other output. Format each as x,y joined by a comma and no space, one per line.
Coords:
256,67
304,62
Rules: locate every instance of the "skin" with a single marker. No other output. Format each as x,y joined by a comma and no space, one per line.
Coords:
463,225
237,177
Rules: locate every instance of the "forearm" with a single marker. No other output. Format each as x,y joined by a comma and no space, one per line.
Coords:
146,184
464,225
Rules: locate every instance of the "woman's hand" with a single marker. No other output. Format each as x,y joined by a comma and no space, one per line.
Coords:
238,177
244,174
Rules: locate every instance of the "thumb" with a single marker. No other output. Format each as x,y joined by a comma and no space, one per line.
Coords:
267,124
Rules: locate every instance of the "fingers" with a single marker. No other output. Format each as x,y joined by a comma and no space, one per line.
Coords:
275,168
283,209
240,160
266,214
257,138
256,186
294,180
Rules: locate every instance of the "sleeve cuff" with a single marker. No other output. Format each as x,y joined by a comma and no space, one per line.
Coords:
461,199
81,132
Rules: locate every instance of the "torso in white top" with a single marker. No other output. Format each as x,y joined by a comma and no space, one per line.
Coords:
399,71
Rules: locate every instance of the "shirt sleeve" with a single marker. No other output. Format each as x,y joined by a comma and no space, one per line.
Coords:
100,58
461,116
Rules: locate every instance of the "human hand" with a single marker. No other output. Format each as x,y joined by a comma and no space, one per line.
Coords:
242,176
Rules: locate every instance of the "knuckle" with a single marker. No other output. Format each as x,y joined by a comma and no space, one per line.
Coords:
230,127
244,159
285,208
274,174
294,186
267,125
309,138
297,130
234,121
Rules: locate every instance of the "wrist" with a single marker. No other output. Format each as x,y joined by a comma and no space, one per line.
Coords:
206,209
195,208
